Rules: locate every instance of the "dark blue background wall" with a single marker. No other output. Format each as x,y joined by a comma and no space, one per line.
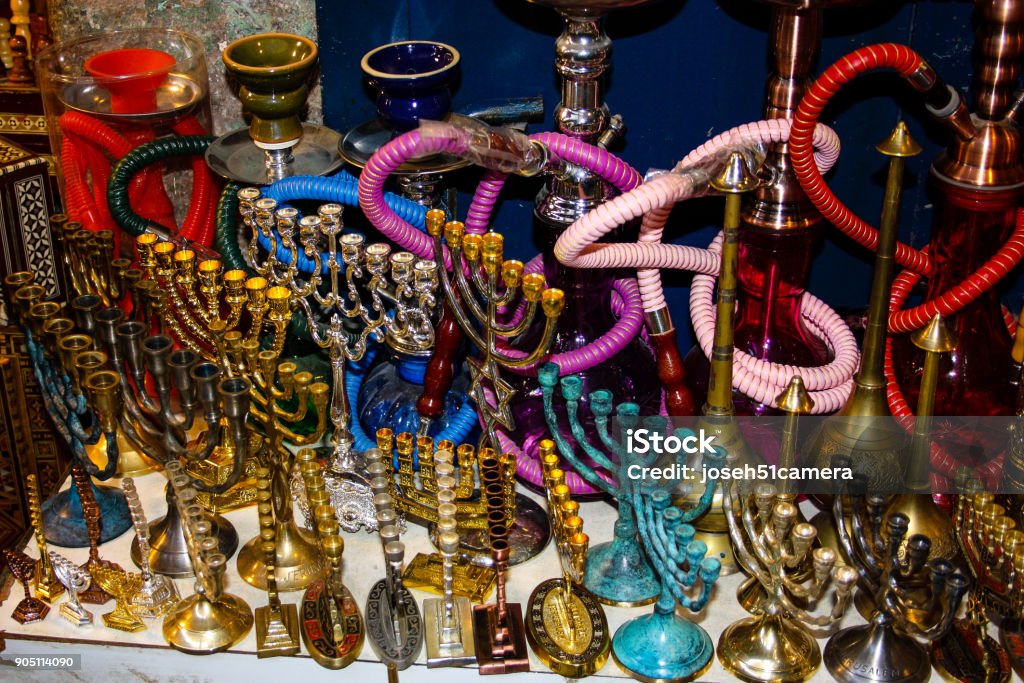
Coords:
683,70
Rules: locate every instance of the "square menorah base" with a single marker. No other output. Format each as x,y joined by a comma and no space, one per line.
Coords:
426,572
500,658
458,649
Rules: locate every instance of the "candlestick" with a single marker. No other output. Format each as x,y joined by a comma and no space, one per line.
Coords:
277,624
449,621
47,586
566,625
157,594
74,579
332,627
30,609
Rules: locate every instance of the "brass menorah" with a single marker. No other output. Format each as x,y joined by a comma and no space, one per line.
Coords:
480,285
772,544
992,546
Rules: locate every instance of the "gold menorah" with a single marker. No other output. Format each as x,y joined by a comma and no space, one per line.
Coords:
416,495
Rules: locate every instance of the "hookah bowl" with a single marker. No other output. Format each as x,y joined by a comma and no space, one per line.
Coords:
412,80
132,76
273,70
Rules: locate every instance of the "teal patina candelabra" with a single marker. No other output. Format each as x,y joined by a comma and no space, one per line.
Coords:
618,572
662,645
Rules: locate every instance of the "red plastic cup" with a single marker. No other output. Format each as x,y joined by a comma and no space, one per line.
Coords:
132,76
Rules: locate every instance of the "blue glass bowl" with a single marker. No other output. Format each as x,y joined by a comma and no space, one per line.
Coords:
413,81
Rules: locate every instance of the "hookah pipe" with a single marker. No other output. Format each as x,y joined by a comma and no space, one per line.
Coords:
86,143
199,224
944,103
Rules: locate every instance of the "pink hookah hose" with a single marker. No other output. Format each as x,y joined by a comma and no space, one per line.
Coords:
761,380
626,300
916,262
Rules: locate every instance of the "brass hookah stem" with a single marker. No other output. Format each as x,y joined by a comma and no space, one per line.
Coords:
734,180
934,339
871,375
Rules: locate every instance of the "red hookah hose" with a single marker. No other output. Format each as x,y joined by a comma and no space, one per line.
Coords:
917,262
146,188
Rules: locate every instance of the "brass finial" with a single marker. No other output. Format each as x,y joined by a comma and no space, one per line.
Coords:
795,399
735,176
935,337
900,143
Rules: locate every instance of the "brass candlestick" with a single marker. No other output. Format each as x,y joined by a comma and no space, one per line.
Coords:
393,621
566,625
771,542
332,627
277,624
47,585
157,594
914,598
210,620
30,609
448,621
498,629
75,580
91,512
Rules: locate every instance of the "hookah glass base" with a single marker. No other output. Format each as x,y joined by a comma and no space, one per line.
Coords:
662,647
65,524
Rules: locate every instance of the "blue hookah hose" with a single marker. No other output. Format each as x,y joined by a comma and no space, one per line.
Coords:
342,188
355,374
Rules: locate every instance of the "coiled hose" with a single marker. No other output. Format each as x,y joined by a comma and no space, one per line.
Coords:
761,380
341,189
917,262
134,163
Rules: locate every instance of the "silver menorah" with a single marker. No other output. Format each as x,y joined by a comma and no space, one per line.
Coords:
387,293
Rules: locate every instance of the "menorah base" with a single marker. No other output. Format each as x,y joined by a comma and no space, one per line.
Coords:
876,653
30,610
449,647
76,614
658,648
277,637
528,535
426,573
569,636
961,656
200,626
753,598
65,525
156,598
768,648
297,560
619,574
168,551
332,645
